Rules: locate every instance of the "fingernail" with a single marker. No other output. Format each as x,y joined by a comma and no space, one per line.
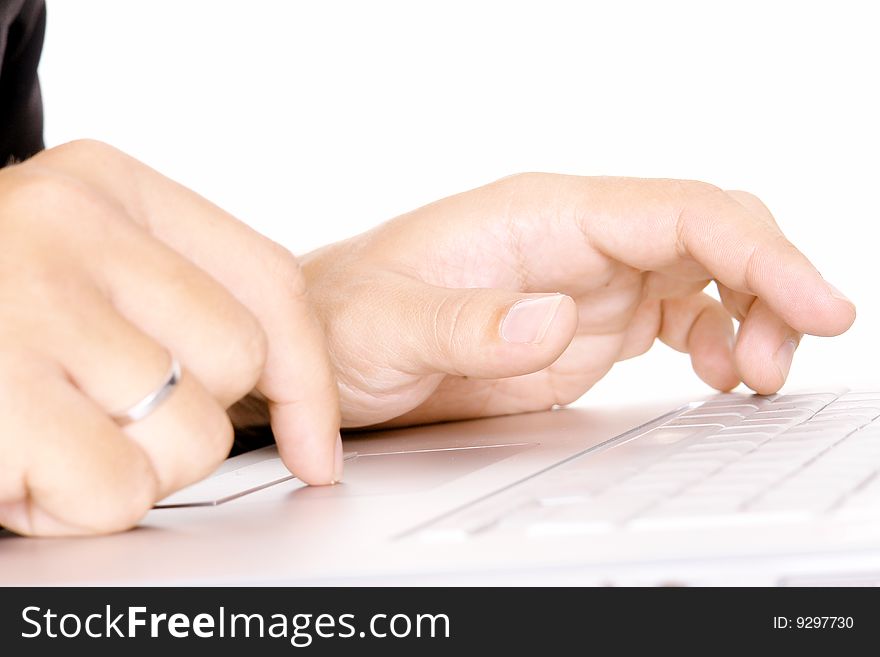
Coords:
837,294
337,466
528,320
784,356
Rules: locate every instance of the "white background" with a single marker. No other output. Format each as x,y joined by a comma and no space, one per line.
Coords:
316,120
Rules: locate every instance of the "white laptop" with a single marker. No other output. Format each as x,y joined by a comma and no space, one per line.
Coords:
733,489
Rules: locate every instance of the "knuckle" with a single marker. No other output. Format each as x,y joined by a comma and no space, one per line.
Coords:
525,176
446,317
81,148
120,512
43,208
699,188
687,195
691,202
286,272
450,337
744,196
525,180
32,188
50,290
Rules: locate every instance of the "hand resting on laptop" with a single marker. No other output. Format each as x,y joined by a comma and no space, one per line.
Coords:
508,298
449,311
107,269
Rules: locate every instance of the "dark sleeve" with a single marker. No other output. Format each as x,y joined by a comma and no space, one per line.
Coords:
22,27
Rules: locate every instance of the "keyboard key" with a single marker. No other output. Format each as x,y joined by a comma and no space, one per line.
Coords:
714,488
553,494
860,396
741,430
662,520
718,422
732,413
716,455
799,414
802,399
837,426
739,401
462,525
812,406
656,485
853,405
598,516
846,414
727,451
684,467
798,496
774,425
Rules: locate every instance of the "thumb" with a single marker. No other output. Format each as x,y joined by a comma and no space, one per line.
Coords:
482,333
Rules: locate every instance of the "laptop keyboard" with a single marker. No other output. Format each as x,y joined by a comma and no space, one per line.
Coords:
733,460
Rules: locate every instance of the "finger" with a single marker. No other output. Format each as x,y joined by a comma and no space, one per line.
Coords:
297,380
185,310
764,349
482,333
642,329
586,360
754,204
676,222
116,365
700,326
762,331
689,229
71,470
736,303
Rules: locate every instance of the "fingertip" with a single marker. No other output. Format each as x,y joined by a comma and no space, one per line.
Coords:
715,365
711,341
844,313
339,457
828,319
723,380
764,387
764,375
816,307
307,444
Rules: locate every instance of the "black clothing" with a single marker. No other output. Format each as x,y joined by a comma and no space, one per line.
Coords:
22,27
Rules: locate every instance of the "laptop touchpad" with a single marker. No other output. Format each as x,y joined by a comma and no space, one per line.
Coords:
410,471
365,473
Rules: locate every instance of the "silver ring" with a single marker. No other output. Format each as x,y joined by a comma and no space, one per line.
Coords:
152,401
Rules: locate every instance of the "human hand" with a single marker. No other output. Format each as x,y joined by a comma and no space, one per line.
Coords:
107,270
444,313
